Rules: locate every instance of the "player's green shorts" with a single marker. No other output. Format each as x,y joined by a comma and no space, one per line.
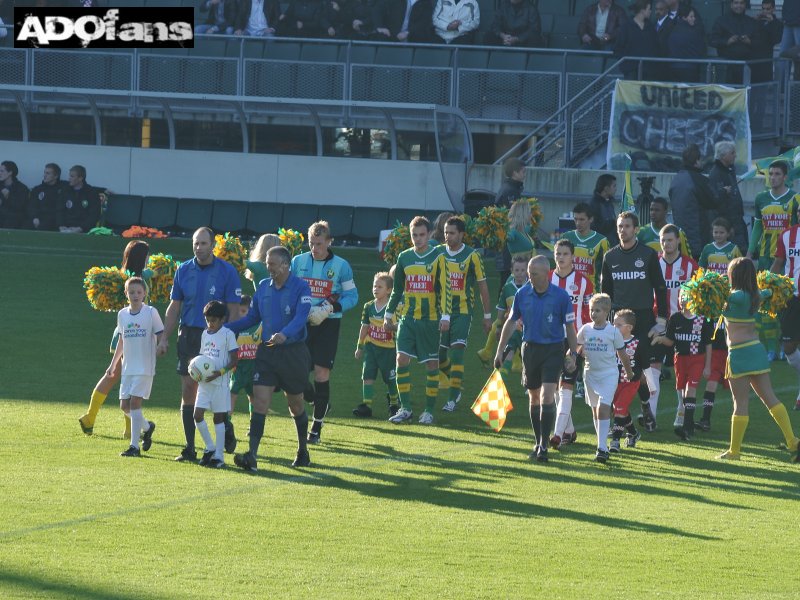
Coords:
378,359
242,377
458,332
418,338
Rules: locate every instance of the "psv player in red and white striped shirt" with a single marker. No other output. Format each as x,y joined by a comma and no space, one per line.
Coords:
677,269
580,290
787,262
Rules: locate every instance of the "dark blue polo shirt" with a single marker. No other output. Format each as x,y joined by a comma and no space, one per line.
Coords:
196,285
543,315
279,310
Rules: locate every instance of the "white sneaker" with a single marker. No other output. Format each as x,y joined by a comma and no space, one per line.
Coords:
450,405
401,416
678,421
426,418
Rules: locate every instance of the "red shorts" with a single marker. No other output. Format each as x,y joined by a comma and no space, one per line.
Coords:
688,370
626,392
718,359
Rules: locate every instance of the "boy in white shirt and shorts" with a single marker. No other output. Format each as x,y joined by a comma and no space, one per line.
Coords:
140,328
601,343
218,343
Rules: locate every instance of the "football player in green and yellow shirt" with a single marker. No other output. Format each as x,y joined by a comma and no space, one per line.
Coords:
775,211
718,254
420,281
590,246
650,235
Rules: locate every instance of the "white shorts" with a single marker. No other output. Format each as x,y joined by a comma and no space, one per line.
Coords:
214,397
600,387
135,385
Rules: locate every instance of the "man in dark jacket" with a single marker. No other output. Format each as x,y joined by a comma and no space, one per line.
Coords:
80,207
736,36
514,176
401,21
46,199
221,16
691,198
604,209
302,18
599,24
13,197
722,178
516,23
771,33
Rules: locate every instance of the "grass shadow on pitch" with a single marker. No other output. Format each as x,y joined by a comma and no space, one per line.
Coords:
32,585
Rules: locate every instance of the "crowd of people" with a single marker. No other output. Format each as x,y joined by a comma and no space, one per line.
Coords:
603,322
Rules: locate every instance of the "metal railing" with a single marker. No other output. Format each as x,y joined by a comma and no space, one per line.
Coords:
581,125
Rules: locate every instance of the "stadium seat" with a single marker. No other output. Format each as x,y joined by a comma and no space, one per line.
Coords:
264,217
368,223
472,59
507,60
229,215
567,41
547,25
209,46
360,54
564,24
159,212
274,50
551,63
122,211
554,7
340,219
299,216
404,215
320,52
253,48
428,86
194,213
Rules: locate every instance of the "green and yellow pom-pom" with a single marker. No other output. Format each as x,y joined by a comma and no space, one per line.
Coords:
105,288
536,214
163,267
706,293
491,227
399,239
292,240
782,289
470,235
230,249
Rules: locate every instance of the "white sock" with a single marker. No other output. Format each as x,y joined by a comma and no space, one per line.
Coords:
137,419
570,428
653,378
202,427
602,433
564,410
219,434
679,409
794,360
596,426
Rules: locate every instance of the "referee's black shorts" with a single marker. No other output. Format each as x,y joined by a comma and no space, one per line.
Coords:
282,366
541,363
189,339
322,341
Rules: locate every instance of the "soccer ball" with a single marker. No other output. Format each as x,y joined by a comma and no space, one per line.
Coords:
201,367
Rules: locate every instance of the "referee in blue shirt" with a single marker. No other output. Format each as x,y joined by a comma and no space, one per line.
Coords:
281,304
547,316
197,282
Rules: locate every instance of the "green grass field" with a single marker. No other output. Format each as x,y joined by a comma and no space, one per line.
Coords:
453,510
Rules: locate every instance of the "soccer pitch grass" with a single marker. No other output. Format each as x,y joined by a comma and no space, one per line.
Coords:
452,510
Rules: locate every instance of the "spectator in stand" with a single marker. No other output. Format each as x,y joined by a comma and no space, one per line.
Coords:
456,21
736,37
3,30
258,18
771,35
360,17
405,21
664,23
46,198
790,12
13,197
80,204
604,209
516,23
599,25
724,184
685,41
514,177
221,16
302,18
691,197
637,37
334,18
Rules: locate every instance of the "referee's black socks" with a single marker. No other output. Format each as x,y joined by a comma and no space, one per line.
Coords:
301,423
257,421
187,416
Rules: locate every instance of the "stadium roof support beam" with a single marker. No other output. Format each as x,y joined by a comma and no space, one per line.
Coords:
98,133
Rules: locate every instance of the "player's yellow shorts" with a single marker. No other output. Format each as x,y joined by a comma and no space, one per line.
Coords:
418,338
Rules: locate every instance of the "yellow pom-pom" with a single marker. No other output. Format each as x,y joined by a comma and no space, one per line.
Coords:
782,289
105,288
491,227
163,267
706,293
399,239
536,214
230,249
292,240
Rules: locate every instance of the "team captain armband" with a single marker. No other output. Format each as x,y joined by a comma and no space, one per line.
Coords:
569,317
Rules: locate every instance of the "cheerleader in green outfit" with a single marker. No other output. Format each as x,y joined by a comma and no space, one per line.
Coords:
748,365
